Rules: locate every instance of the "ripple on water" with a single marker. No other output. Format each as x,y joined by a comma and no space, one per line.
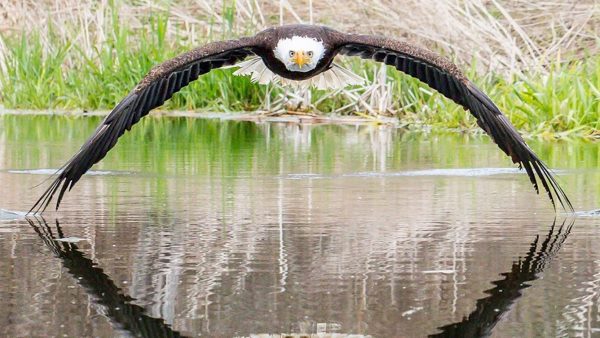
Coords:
7,215
54,171
465,172
588,213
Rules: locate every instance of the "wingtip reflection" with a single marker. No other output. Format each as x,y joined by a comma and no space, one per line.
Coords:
489,310
119,307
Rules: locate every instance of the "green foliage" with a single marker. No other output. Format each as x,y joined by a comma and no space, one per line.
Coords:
564,102
65,77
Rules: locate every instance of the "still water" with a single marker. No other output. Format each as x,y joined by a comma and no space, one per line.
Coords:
199,227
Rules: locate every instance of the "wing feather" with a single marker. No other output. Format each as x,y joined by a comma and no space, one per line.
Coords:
445,77
153,90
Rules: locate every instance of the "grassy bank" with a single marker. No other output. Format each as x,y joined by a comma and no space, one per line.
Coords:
45,69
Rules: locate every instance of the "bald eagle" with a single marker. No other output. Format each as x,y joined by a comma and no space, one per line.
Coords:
301,54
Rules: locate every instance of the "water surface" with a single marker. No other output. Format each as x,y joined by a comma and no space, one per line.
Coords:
204,228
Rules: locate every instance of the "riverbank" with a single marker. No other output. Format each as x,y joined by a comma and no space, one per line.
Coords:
258,116
291,117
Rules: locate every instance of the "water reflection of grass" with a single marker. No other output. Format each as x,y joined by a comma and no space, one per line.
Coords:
229,150
45,70
162,140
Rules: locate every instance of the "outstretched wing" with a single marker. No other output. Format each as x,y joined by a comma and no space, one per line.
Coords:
445,77
156,87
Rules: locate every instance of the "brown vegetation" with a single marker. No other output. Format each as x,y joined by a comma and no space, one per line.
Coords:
505,36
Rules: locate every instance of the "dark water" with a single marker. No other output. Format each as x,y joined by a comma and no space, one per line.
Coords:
206,228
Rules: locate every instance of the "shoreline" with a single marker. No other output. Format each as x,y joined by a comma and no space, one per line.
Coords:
289,117
258,116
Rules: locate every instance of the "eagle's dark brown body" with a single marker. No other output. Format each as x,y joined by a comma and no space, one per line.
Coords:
169,77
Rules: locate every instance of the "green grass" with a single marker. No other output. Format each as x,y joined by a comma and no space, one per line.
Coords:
64,77
560,102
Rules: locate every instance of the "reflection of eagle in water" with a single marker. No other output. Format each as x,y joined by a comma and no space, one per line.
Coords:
491,309
301,53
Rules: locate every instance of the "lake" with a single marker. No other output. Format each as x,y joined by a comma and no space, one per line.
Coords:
198,227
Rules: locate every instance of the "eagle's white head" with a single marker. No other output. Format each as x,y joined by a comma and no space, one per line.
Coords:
299,53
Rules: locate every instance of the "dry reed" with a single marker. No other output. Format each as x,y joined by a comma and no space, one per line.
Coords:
505,36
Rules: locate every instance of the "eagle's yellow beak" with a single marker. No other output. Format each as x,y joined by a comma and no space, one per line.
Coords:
300,58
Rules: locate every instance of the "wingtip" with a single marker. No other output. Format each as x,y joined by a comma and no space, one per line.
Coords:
559,193
42,203
566,205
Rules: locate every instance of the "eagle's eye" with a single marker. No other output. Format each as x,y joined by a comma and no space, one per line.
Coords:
310,53
292,53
